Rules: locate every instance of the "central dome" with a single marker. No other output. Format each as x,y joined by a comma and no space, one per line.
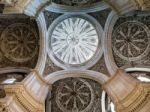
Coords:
75,41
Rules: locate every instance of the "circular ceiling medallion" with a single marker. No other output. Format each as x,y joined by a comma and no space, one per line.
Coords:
131,40
19,42
75,96
74,40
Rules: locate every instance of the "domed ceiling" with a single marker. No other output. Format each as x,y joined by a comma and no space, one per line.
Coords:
75,41
78,36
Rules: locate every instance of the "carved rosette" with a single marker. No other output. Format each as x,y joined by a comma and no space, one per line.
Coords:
19,42
75,96
131,40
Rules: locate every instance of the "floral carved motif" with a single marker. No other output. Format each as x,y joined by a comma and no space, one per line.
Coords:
131,40
19,42
75,97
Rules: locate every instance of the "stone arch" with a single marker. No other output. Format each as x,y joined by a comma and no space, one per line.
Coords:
109,60
42,52
96,76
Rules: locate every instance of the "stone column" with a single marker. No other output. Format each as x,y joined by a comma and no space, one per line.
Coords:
127,93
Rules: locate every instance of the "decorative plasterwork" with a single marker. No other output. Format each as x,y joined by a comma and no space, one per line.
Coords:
136,41
19,42
129,39
50,17
19,45
75,43
100,66
101,16
76,95
50,67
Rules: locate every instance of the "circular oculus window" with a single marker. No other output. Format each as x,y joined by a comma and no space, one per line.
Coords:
74,41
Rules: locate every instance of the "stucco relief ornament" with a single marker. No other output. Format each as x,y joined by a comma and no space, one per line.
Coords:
75,96
74,41
19,42
131,40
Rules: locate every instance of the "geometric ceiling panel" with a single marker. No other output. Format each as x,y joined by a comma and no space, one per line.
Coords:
76,95
19,43
131,41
